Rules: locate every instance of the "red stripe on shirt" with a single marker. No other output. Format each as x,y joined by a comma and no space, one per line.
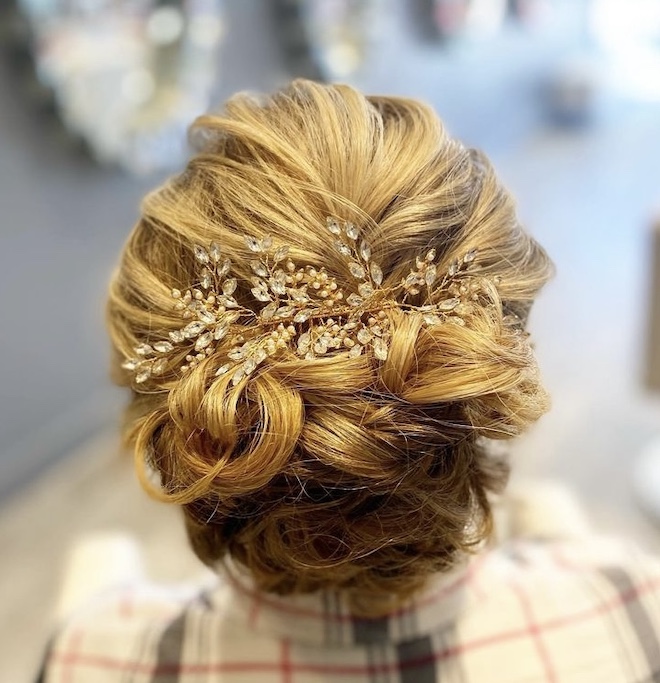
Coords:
107,662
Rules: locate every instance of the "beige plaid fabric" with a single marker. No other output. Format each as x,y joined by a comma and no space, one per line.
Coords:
583,611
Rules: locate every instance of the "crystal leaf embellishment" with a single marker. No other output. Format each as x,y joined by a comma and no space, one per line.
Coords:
365,251
356,270
280,254
304,309
258,268
376,273
201,254
251,243
163,347
380,349
342,248
351,231
229,286
193,329
215,252
365,289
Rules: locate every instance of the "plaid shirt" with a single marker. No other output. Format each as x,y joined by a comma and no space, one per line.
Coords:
563,611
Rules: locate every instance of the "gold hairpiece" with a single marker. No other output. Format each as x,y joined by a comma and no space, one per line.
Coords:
303,308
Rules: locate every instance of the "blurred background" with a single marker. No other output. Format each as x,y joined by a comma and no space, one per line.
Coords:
95,97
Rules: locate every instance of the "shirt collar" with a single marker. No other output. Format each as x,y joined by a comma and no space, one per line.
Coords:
323,618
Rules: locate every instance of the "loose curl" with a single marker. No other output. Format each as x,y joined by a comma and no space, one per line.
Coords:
342,473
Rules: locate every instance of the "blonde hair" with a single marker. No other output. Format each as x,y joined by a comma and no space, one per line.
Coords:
340,473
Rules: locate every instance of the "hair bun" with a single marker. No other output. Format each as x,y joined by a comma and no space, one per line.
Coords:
364,473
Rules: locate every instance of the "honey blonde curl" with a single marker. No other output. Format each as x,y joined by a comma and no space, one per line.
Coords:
336,473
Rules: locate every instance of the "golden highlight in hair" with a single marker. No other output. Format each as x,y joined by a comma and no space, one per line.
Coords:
353,474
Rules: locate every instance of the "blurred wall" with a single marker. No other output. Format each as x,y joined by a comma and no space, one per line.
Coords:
64,219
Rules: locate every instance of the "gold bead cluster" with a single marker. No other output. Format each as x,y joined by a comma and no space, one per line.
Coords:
300,309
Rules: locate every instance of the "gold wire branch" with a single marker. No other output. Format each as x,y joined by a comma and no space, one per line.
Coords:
300,308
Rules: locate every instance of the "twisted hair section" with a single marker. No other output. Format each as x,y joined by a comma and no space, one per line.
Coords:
355,474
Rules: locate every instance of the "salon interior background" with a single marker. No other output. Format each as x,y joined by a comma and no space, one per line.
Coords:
94,99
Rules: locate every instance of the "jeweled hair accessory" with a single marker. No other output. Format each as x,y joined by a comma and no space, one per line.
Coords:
301,308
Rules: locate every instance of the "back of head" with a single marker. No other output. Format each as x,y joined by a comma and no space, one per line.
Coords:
363,472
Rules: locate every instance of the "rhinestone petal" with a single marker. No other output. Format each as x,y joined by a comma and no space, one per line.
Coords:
431,319
177,336
302,316
159,366
430,274
224,268
258,268
203,341
268,311
470,256
354,300
266,243
365,289
207,279
355,351
342,247
333,225
321,346
304,340
365,251
356,270
193,329
364,336
163,347
280,253
144,350
249,366
376,273
206,316
380,348
351,231
143,374
448,304
260,294
223,369
277,285
215,252
237,376
131,364
229,286
260,355
237,353
201,254
430,255
252,244
220,331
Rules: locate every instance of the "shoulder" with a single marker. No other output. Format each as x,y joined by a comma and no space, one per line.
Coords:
136,629
576,610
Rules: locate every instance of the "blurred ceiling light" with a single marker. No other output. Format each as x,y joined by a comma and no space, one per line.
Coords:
138,86
473,18
128,76
165,26
329,39
629,33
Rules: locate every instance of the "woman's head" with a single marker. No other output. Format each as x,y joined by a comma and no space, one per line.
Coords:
357,473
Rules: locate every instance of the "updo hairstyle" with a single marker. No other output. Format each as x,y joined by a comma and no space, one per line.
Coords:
354,474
